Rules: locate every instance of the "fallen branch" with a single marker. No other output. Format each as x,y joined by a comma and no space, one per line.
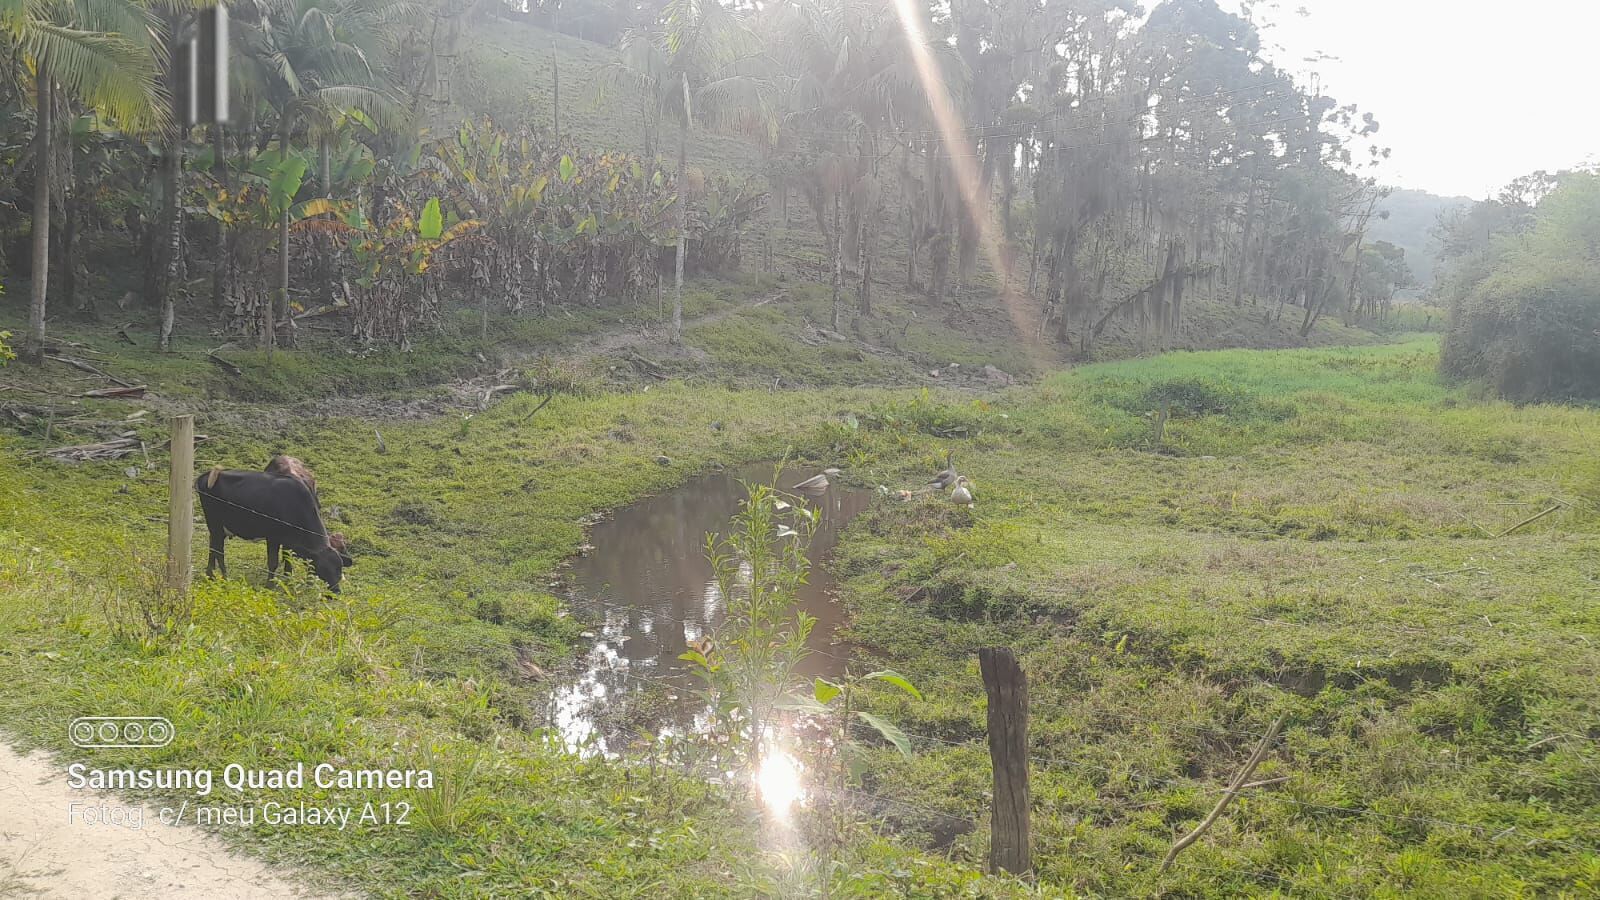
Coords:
1235,786
1548,740
1532,519
135,392
549,395
27,390
1454,572
125,444
326,308
491,391
231,368
85,367
652,369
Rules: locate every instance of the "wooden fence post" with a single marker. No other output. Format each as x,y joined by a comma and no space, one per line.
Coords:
1009,843
180,506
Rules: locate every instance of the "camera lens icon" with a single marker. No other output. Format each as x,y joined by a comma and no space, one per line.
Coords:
97,732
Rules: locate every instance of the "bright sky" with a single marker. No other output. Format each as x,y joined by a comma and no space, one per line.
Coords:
1469,94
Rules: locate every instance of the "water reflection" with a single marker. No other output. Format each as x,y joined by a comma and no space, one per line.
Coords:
648,583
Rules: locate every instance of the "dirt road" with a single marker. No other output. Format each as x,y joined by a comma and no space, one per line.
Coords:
43,854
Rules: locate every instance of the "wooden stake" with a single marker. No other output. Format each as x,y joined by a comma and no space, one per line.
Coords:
1161,421
1009,843
180,506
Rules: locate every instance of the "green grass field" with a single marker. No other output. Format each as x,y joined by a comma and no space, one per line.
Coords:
1311,537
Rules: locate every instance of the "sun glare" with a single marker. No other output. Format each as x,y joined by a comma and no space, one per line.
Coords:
778,780
947,118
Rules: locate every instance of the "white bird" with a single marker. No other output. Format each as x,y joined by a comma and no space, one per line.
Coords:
814,484
962,493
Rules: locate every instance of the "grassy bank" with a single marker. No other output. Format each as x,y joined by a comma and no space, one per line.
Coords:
1318,534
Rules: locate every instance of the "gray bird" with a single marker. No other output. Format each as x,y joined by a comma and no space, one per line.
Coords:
946,479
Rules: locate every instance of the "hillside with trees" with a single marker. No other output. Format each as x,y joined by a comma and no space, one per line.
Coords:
1116,175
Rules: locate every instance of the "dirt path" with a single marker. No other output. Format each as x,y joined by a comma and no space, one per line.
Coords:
43,854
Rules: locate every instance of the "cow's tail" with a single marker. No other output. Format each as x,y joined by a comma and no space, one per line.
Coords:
212,476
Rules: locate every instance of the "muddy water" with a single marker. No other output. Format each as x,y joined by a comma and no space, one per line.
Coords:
647,580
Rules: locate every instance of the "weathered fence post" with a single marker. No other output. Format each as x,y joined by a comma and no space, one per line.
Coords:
1007,686
180,506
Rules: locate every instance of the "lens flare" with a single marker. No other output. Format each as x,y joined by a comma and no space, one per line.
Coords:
964,165
779,783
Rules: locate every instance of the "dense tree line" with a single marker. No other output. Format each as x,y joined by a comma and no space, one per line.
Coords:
1522,278
1104,162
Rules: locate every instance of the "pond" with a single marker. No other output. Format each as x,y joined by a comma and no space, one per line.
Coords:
647,582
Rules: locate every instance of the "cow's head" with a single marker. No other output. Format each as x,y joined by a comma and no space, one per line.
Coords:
331,561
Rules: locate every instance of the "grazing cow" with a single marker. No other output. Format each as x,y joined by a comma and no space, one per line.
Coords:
279,509
292,467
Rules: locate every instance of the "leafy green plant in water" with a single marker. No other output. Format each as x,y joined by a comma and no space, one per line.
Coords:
748,664
927,415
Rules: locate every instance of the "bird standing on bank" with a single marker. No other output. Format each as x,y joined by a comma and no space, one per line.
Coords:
946,479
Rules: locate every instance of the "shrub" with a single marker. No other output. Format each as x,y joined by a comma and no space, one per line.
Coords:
1530,325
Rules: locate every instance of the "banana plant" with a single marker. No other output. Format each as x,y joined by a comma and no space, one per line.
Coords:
255,210
559,223
394,291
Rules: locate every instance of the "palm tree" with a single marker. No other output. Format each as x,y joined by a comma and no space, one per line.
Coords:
99,53
309,61
697,61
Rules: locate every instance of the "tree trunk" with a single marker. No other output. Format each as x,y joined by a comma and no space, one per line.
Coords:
69,259
280,300
327,258
911,203
864,261
647,115
224,245
171,238
683,214
33,348
838,256
555,73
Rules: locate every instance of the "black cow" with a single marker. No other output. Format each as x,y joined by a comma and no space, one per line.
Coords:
278,509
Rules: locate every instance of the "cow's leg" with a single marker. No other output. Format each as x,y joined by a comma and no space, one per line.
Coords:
272,560
214,559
